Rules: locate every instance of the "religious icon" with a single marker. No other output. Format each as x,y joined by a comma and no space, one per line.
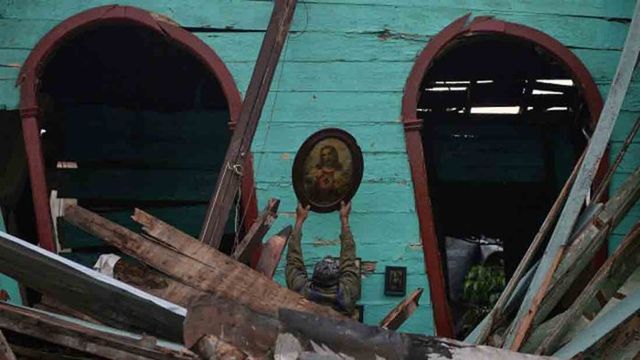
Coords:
327,170
395,280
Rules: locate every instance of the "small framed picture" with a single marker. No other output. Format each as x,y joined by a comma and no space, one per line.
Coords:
360,309
395,280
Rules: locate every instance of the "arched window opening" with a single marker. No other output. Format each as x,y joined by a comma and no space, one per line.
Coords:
131,120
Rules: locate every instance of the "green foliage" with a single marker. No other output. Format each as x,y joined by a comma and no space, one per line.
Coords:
483,284
482,287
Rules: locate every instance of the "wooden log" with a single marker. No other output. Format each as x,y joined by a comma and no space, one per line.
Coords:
595,150
402,311
611,274
257,231
350,338
5,351
222,276
272,252
49,304
210,347
106,299
232,323
239,145
87,337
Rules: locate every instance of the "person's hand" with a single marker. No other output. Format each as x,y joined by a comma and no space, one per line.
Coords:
345,209
301,213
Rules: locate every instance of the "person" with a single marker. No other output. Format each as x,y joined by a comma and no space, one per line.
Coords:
327,180
334,283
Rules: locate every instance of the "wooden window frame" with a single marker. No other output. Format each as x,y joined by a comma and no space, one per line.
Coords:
29,82
461,27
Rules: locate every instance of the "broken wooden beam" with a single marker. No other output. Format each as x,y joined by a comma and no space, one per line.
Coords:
210,347
239,145
5,351
272,252
257,231
220,275
611,275
497,313
101,297
232,323
576,199
626,311
173,238
402,311
87,337
351,339
154,282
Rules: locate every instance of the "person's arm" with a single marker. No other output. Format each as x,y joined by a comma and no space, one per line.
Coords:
349,281
296,273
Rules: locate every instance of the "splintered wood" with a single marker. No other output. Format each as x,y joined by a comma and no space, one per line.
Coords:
219,275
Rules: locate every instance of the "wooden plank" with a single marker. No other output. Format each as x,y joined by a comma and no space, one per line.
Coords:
135,184
272,252
402,311
614,272
257,231
104,298
175,239
600,328
585,32
222,275
576,198
233,323
585,244
210,347
230,177
485,328
355,340
604,184
187,218
87,337
155,283
5,351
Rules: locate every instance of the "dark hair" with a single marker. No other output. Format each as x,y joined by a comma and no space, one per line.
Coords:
334,153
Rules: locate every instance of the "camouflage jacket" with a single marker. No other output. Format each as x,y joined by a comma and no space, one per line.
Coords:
341,297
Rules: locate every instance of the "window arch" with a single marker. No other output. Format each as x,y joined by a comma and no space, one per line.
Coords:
462,28
31,106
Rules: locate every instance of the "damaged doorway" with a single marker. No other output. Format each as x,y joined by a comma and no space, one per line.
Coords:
496,114
134,112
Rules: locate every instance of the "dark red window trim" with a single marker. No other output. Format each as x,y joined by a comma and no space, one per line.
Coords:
464,26
29,82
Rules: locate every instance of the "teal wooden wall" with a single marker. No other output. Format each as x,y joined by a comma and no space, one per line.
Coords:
345,65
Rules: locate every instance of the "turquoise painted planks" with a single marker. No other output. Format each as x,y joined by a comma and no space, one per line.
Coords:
379,167
337,107
287,137
371,197
135,184
588,32
631,160
188,10
598,8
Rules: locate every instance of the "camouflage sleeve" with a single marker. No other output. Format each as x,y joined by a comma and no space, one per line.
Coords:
295,271
349,282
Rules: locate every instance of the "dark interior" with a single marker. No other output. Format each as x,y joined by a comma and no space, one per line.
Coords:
132,120
500,139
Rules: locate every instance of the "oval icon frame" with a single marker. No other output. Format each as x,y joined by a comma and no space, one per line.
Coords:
314,180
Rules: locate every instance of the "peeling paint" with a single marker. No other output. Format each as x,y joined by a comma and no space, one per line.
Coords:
321,242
